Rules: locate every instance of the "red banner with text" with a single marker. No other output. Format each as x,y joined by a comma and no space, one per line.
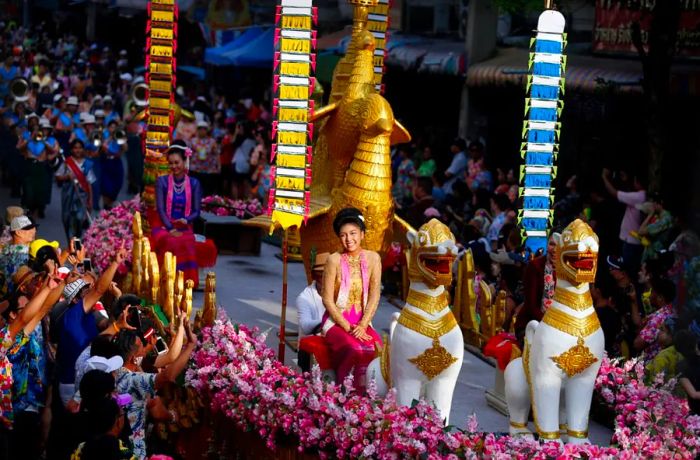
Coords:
614,20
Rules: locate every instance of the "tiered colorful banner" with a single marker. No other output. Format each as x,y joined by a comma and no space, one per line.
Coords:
292,132
160,71
378,22
540,146
161,47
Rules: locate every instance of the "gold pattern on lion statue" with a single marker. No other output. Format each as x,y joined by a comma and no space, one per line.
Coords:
434,360
576,359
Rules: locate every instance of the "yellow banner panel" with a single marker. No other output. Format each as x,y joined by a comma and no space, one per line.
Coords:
162,16
290,183
161,33
297,115
164,86
296,22
159,103
159,120
294,92
157,67
290,138
295,45
285,160
300,69
161,51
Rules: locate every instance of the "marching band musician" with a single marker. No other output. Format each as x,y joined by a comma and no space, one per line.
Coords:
84,132
108,107
38,152
111,166
72,106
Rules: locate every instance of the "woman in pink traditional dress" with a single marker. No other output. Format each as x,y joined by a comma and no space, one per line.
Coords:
351,288
178,201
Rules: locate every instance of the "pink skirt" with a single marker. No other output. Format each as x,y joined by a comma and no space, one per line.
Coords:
348,354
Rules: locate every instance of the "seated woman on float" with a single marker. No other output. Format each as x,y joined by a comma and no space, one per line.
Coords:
178,202
351,289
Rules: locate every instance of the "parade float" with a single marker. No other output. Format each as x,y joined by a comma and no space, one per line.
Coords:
239,400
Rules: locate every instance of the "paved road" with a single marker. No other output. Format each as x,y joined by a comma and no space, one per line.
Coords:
250,290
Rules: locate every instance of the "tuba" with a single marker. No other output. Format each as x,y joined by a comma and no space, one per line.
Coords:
19,89
139,95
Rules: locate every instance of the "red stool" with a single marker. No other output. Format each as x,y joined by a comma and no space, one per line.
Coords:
316,346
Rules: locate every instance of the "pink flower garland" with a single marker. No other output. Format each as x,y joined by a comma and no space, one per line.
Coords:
242,379
108,231
223,206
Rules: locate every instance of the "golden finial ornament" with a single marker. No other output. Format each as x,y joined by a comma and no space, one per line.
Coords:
186,305
155,278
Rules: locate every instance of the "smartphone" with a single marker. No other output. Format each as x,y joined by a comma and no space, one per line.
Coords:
161,346
87,265
77,244
134,318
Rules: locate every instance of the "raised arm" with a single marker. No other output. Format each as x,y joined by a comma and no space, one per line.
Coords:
104,282
26,314
51,299
175,346
328,296
170,373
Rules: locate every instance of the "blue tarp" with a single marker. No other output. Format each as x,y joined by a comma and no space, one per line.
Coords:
248,50
214,54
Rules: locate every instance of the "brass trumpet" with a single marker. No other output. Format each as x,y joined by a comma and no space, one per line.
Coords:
96,138
120,136
38,136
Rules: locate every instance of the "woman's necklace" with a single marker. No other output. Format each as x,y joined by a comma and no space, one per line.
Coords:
179,188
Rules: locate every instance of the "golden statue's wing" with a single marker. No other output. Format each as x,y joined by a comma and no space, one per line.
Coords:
317,207
325,111
399,135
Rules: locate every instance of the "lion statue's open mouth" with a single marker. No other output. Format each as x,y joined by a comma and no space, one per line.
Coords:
577,254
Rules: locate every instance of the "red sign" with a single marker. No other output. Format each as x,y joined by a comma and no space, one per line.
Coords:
614,20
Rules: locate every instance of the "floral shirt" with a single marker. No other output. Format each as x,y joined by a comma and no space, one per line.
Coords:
28,371
651,329
6,343
549,285
205,156
11,258
124,452
141,386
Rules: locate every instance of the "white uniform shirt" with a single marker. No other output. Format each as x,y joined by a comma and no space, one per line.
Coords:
310,309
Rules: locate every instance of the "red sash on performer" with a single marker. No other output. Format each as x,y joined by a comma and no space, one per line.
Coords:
78,173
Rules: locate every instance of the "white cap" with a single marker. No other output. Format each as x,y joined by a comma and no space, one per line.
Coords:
31,115
99,113
106,99
202,98
21,223
88,119
126,76
97,98
202,124
103,364
73,100
44,123
122,53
